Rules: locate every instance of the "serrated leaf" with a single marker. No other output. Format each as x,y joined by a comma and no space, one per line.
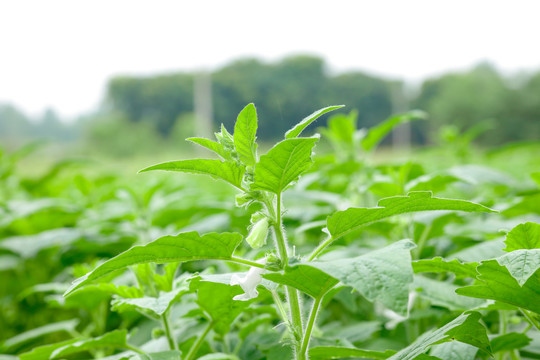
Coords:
298,128
217,169
495,282
521,264
382,275
67,326
443,294
187,246
343,222
377,133
465,328
509,341
114,339
438,265
245,129
337,352
454,350
305,278
283,164
212,146
216,300
523,236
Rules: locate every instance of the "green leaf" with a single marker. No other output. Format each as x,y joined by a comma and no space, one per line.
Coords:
337,352
438,265
377,133
283,164
212,146
298,128
305,278
157,306
521,264
523,236
465,328
343,222
496,283
44,352
454,350
443,294
187,246
115,339
219,356
383,275
67,326
162,355
217,169
216,300
509,341
245,129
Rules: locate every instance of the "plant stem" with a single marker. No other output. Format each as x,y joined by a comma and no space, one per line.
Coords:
280,307
246,262
292,294
530,318
134,348
197,344
311,322
320,248
168,332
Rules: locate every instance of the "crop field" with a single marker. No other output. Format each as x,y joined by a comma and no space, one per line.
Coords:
316,247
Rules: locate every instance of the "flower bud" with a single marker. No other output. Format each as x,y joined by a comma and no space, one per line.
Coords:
258,233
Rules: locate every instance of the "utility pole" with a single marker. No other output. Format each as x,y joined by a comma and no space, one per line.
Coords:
202,104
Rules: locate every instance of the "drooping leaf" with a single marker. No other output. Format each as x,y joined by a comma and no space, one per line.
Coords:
67,326
245,129
305,278
383,275
337,352
216,300
523,236
182,247
521,264
465,328
45,351
298,128
221,170
283,164
454,350
115,339
495,282
509,341
212,146
343,222
157,306
438,265
443,294
377,133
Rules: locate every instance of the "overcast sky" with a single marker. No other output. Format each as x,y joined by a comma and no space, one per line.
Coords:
60,53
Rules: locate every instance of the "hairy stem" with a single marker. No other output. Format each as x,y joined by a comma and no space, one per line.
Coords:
320,248
311,322
168,332
197,344
246,262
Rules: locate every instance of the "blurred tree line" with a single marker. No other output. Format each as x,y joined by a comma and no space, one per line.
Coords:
160,109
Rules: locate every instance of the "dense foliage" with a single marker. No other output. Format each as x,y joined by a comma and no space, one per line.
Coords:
344,256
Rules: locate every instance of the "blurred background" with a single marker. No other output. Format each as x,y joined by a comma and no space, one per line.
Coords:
127,78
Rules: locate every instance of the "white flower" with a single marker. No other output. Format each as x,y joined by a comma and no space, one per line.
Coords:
249,282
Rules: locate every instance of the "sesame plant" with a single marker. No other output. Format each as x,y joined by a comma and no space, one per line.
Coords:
375,256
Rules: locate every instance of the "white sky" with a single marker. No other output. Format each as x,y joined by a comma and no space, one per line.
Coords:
60,53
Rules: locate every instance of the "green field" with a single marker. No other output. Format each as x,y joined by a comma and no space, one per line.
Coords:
319,247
